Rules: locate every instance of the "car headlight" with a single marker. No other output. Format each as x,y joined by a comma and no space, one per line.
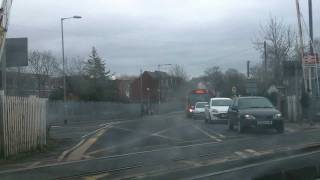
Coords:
277,116
248,116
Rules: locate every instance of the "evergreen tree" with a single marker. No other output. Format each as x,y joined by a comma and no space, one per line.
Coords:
95,67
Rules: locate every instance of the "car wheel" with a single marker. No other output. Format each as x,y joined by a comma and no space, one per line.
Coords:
240,127
230,125
280,128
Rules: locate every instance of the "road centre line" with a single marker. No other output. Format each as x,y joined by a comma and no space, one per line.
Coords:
207,134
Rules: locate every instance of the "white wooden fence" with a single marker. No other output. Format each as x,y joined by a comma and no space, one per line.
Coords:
22,124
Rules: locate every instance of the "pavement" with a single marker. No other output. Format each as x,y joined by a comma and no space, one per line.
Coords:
168,146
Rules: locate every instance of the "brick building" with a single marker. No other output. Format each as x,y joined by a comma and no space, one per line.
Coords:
153,86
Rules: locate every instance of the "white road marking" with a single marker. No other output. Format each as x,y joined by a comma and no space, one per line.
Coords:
241,154
207,134
162,131
253,152
146,134
55,126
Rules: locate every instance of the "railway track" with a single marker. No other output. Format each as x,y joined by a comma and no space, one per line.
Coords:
194,152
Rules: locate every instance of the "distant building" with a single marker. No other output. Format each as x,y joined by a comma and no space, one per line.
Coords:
152,86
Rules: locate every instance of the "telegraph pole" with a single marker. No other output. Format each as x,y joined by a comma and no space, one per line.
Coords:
248,69
311,40
311,26
141,92
265,56
301,43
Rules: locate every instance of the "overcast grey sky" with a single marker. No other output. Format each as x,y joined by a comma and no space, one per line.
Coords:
130,34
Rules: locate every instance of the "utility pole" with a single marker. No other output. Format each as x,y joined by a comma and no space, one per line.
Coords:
312,51
301,43
248,69
159,90
265,56
141,93
311,26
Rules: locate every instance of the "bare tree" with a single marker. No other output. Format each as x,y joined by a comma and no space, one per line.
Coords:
316,45
280,46
214,76
43,64
75,66
178,71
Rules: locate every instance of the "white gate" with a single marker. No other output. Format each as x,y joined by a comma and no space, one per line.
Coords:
22,124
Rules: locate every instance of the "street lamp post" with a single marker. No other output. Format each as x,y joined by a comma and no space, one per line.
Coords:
63,59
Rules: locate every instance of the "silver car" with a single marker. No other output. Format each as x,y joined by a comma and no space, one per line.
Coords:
199,109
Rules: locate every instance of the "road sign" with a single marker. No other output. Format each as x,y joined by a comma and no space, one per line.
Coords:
16,51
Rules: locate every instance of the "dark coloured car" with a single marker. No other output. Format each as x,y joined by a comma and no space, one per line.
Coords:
254,112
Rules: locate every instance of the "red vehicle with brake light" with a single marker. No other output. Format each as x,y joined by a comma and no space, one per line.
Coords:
197,95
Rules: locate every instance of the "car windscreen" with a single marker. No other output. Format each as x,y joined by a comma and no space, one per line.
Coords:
201,105
247,103
221,102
